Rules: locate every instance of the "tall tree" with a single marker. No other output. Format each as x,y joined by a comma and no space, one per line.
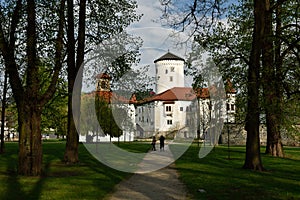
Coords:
75,57
232,34
253,158
271,85
29,100
202,26
3,112
103,19
281,47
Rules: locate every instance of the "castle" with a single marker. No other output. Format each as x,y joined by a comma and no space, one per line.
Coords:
173,109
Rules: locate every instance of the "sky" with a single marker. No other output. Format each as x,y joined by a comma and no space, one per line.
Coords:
156,38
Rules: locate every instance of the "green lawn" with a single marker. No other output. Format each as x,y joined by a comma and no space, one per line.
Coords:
87,180
219,177
222,178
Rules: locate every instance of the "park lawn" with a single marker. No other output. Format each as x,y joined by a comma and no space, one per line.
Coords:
88,179
223,178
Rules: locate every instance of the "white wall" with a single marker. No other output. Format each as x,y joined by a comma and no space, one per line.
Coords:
129,137
164,72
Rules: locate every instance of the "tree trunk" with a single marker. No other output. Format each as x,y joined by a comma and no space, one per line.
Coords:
29,108
30,145
3,112
274,144
253,159
71,152
270,90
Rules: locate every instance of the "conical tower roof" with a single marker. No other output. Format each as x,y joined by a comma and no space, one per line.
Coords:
168,56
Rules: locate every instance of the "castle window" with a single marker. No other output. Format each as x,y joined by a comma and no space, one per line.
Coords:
169,122
181,108
172,69
168,108
171,78
232,106
166,71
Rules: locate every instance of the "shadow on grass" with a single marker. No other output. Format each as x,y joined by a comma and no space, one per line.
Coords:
21,187
225,179
89,178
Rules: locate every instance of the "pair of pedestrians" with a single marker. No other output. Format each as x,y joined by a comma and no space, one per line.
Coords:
161,142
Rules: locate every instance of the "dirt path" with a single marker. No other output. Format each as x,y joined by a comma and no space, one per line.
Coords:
161,184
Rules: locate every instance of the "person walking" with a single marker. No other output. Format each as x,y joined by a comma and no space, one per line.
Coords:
162,142
153,143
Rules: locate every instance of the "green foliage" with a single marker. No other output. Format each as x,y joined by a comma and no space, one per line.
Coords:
11,116
54,114
228,41
106,118
140,95
106,18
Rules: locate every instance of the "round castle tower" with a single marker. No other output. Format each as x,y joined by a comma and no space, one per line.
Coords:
103,82
169,72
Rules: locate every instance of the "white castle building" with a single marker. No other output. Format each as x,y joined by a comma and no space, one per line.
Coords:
176,108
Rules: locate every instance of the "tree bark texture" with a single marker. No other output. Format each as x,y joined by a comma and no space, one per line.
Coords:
270,88
272,84
71,152
30,146
3,112
29,110
253,158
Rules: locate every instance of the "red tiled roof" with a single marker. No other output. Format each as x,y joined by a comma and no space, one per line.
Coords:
178,94
171,95
229,87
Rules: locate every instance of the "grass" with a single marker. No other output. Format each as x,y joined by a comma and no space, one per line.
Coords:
88,179
219,177
223,178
